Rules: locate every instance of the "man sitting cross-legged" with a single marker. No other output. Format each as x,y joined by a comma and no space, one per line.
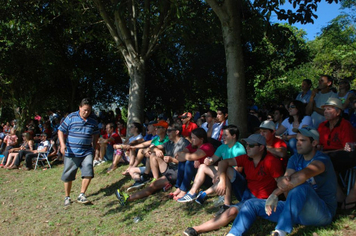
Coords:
230,149
310,185
162,162
140,174
261,169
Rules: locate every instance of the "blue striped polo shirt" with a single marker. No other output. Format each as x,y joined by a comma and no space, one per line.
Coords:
79,134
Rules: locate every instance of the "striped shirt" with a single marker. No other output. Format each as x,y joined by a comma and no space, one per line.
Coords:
79,134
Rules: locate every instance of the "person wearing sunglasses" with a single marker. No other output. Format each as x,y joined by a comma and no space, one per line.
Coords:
141,175
275,145
297,119
162,161
261,169
309,184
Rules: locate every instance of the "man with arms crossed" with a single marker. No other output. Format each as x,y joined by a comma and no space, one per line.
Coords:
310,186
81,129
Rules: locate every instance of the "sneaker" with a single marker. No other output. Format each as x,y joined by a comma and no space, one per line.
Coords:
82,199
201,198
187,198
274,233
222,209
67,201
136,185
167,187
145,178
191,232
122,197
278,233
96,163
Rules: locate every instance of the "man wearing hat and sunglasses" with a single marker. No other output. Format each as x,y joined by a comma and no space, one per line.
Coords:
261,169
309,184
276,146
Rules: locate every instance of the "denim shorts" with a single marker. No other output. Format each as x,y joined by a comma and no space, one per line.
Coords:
71,165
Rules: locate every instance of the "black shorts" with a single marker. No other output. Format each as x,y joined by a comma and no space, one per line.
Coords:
171,175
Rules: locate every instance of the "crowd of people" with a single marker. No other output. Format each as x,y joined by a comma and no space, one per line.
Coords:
285,171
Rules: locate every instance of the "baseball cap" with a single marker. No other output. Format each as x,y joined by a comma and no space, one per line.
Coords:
255,138
152,122
162,123
186,115
268,124
308,131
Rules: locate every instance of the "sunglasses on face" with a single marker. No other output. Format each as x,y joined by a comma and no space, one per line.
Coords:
252,145
159,127
292,106
170,130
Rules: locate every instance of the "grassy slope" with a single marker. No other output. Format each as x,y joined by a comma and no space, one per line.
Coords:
32,204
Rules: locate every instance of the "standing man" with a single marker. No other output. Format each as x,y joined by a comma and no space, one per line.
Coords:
304,95
318,98
81,130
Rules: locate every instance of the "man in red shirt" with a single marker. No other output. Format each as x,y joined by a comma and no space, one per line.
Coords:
276,146
187,124
335,132
261,169
107,141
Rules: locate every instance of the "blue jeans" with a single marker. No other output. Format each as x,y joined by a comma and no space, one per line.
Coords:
292,146
109,154
186,173
303,206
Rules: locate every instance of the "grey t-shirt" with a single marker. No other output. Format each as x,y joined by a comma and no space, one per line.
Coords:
172,148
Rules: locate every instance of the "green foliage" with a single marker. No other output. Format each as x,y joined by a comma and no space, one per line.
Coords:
335,48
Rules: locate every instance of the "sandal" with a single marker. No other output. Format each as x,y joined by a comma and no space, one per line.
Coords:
347,204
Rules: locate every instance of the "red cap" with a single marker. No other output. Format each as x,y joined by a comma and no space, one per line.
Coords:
186,115
161,123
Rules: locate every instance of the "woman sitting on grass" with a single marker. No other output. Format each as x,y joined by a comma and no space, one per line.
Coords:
27,144
136,138
189,161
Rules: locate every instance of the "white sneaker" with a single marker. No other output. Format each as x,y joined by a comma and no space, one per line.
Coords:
96,163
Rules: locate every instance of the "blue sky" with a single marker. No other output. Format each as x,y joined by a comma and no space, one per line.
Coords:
326,12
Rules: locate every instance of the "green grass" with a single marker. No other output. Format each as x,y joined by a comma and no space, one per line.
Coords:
32,204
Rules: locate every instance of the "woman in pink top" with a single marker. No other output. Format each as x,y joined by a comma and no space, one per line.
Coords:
190,159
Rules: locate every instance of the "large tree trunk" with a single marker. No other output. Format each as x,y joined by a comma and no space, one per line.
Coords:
136,92
229,15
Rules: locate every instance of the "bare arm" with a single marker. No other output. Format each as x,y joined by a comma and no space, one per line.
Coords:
62,142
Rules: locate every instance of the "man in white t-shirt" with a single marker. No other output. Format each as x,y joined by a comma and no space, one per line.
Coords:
318,98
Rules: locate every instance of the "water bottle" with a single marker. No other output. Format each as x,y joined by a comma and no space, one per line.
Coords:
137,219
219,201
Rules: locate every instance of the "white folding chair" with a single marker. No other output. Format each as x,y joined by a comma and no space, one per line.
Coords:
43,156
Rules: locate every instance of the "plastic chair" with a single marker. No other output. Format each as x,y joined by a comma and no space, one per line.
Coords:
349,180
43,156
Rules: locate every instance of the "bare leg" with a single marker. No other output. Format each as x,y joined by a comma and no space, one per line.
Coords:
152,188
85,184
200,177
218,222
157,166
67,188
139,157
135,173
103,147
